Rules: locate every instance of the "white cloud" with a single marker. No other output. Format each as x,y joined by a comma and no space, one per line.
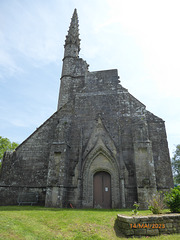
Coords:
7,62
30,29
153,23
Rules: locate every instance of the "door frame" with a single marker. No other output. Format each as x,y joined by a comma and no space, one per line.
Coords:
102,190
91,165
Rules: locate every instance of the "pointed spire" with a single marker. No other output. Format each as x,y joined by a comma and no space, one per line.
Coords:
73,33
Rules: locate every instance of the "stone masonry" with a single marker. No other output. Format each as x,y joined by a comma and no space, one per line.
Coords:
150,225
99,127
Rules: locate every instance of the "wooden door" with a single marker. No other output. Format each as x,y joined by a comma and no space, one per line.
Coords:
102,190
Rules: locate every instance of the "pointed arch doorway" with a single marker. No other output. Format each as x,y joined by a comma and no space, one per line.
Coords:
102,190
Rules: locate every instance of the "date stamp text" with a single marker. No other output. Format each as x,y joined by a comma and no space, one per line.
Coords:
147,225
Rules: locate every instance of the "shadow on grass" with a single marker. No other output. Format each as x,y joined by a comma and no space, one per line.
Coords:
117,230
42,208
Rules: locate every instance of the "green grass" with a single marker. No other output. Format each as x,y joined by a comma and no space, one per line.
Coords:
39,223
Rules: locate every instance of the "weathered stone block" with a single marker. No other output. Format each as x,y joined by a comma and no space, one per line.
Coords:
152,232
140,232
169,225
129,232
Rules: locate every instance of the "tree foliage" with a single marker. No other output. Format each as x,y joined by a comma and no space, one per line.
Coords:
176,165
172,199
6,145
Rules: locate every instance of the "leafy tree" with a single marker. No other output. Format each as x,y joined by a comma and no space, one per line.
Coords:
6,145
172,199
176,165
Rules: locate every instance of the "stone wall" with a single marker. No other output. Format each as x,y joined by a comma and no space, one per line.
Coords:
101,128
151,225
9,194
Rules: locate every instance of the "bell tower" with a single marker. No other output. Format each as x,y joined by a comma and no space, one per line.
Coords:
74,68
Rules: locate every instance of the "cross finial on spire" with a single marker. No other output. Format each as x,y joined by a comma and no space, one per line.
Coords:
73,33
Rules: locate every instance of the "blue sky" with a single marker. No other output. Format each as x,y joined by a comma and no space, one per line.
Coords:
140,38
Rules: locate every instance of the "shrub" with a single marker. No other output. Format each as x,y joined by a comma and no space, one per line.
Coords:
136,205
172,199
156,203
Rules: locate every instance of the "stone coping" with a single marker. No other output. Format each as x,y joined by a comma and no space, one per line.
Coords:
149,225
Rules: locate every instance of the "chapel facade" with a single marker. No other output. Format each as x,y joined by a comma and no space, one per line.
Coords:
100,149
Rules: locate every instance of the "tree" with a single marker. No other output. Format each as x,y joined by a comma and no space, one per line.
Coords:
172,199
6,145
176,165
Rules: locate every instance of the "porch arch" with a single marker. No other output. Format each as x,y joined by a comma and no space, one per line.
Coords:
100,161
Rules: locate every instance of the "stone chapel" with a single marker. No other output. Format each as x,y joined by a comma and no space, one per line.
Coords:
100,149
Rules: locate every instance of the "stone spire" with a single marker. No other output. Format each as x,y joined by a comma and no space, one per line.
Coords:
73,33
74,68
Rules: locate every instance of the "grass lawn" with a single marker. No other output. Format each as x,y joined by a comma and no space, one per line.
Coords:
40,223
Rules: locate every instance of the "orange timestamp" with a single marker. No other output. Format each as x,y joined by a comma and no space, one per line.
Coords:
147,225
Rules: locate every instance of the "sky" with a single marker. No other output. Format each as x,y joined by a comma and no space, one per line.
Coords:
139,38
